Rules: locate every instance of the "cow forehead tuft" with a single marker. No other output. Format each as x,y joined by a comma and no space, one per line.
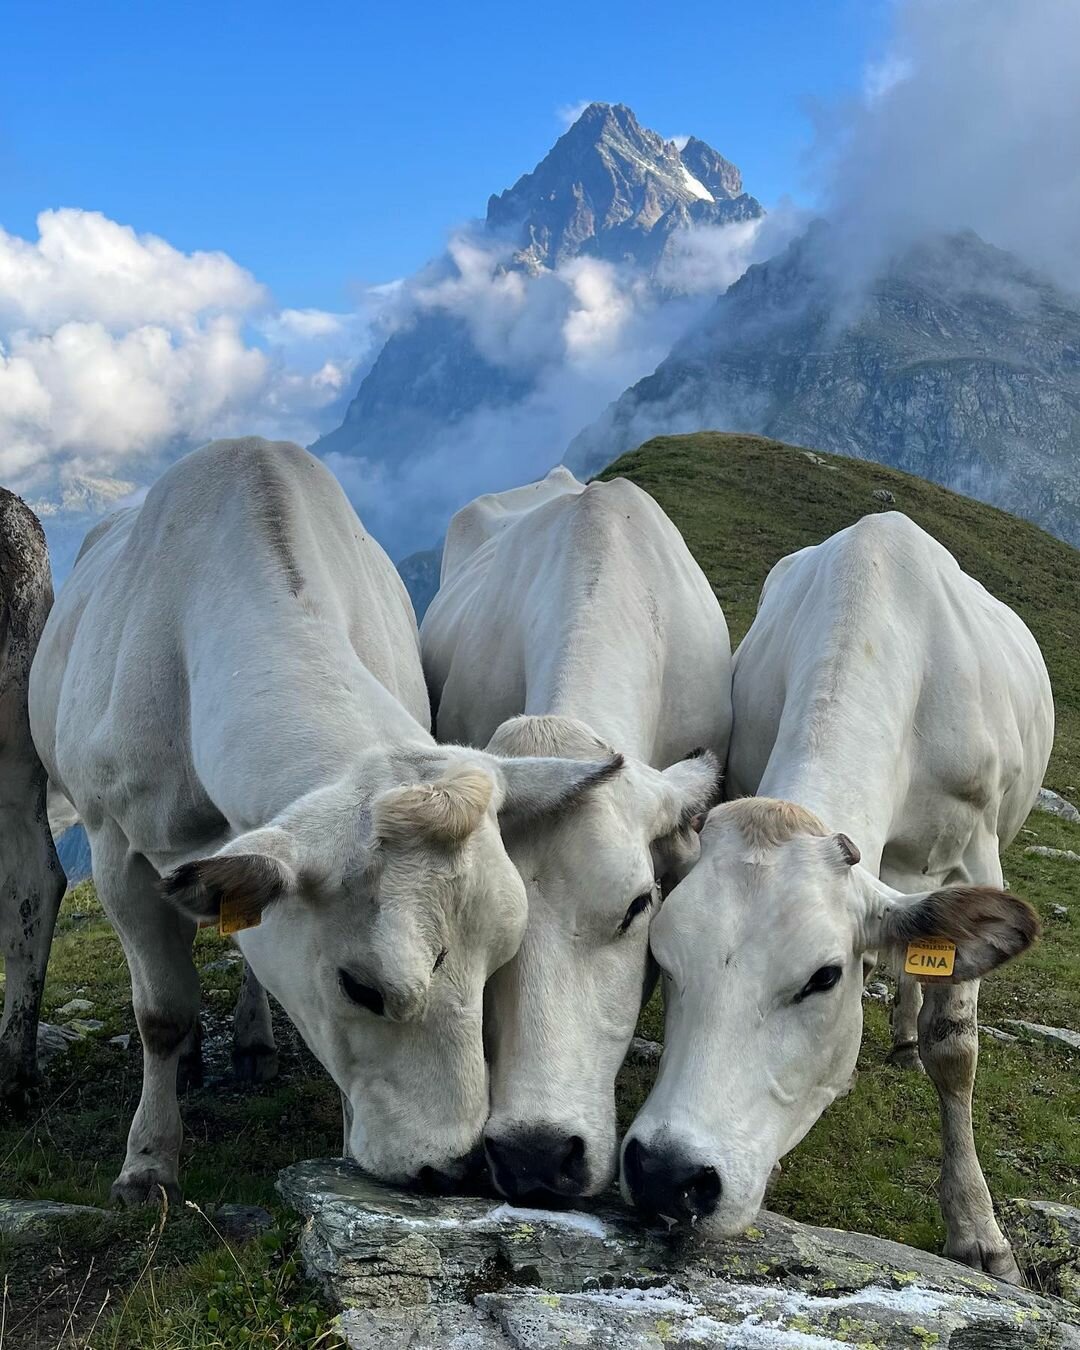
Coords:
765,822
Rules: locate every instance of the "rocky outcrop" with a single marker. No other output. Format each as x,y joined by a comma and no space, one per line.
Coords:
954,362
1047,1235
470,1272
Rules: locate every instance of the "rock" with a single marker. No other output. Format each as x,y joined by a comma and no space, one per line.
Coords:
814,459
1055,1035
85,1026
227,962
996,1034
1053,805
40,1220
473,1273
884,496
644,1052
1041,851
241,1222
122,1041
877,991
1059,911
1046,1239
75,1007
53,1040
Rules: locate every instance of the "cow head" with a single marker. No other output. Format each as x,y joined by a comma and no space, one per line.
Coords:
761,952
560,1015
383,913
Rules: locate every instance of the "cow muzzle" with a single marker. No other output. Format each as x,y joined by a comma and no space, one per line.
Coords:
666,1184
534,1165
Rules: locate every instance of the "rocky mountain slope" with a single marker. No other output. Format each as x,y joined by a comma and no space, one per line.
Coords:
955,362
608,189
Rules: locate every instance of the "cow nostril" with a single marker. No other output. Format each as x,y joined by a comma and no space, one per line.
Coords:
703,1192
665,1184
573,1162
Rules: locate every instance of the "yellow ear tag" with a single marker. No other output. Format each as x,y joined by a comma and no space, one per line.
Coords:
236,915
932,958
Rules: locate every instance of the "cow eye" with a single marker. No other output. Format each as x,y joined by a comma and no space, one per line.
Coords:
828,977
637,906
363,995
438,961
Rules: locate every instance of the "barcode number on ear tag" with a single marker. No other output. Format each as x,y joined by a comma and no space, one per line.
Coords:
930,958
234,916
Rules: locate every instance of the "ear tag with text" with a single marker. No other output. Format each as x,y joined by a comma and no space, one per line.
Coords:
930,958
236,915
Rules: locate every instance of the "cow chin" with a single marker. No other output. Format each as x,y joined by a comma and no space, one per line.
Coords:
453,1161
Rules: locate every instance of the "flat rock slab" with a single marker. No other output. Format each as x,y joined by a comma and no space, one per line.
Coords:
1054,1035
39,1220
472,1273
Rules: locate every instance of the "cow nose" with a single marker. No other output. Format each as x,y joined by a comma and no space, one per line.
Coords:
665,1184
537,1163
453,1176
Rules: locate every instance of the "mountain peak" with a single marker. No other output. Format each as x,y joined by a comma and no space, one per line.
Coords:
608,184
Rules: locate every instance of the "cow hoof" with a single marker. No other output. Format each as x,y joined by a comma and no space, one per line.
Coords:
255,1063
996,1261
144,1188
905,1056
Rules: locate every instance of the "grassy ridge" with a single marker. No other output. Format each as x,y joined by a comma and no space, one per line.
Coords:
743,502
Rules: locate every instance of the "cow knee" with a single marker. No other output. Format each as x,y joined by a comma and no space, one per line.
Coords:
165,1032
949,1049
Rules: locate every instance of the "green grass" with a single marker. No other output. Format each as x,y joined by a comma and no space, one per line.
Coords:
869,1164
743,502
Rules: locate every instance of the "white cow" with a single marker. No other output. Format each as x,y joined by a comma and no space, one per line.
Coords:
885,708
573,621
31,879
229,690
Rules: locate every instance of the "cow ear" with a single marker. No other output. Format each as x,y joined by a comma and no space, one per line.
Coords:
691,788
536,786
243,882
987,926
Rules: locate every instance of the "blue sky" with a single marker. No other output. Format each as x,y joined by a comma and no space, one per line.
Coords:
329,146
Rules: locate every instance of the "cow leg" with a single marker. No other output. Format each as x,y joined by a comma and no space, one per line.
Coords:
904,1021
30,896
254,1053
949,1045
165,992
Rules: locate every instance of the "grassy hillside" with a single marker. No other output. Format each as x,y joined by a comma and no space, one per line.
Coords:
743,502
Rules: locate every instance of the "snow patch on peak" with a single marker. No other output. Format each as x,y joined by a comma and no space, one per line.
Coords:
693,185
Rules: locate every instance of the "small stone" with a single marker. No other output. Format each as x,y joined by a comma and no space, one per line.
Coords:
122,1041
877,991
884,496
85,1026
644,1052
814,459
996,1034
75,1007
1059,911
1062,854
1054,1035
227,962
241,1222
1054,805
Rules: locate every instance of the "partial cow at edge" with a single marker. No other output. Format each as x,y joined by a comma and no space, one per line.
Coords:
31,879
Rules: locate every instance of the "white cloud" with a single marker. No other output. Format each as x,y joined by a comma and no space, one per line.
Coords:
970,120
118,350
568,113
